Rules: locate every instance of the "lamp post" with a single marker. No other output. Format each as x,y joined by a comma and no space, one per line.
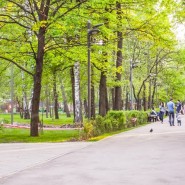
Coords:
12,93
90,31
131,84
133,64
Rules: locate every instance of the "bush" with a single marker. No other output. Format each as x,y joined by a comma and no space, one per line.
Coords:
117,118
113,121
108,125
88,130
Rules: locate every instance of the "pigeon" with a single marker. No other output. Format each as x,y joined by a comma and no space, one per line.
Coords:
151,130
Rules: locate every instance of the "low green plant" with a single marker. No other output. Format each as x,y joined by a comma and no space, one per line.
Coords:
114,121
87,130
23,136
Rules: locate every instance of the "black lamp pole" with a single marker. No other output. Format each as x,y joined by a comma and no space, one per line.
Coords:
89,68
90,31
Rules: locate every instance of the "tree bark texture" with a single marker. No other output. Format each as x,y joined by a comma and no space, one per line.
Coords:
73,89
103,95
47,94
119,58
144,98
85,108
26,111
78,108
37,85
66,108
55,94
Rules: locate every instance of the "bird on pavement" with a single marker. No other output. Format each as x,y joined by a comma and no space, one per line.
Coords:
151,130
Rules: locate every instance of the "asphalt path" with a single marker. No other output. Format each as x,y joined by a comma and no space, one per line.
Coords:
136,157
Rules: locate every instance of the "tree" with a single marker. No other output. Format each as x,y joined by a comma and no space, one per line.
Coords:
34,21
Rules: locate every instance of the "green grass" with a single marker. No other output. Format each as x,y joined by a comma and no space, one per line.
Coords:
13,135
63,119
8,135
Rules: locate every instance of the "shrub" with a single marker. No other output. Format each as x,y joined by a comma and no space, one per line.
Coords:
108,125
88,130
117,118
113,121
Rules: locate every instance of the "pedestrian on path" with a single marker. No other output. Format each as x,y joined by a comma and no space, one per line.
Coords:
162,111
179,119
178,106
171,107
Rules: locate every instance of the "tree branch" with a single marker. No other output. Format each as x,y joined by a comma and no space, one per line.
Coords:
20,67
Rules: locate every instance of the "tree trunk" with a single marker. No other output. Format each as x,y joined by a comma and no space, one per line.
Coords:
149,96
26,107
113,98
107,100
73,90
126,100
47,101
37,84
138,103
26,112
144,98
43,15
50,106
153,93
78,108
85,108
55,94
103,95
20,107
36,96
66,108
119,57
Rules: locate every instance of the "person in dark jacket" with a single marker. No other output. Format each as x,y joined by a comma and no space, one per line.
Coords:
178,106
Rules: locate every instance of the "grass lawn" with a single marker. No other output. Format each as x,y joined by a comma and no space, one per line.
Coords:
19,135
8,135
63,119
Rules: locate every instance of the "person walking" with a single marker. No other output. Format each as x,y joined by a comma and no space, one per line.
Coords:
162,111
171,107
179,106
179,119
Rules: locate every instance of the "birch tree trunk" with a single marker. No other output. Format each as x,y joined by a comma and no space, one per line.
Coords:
26,113
55,94
66,108
78,108
73,89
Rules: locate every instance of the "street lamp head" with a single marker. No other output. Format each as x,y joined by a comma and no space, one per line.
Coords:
97,25
93,31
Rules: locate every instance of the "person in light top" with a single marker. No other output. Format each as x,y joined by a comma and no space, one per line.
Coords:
162,111
179,116
171,107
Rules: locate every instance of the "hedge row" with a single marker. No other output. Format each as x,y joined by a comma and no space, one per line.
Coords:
114,121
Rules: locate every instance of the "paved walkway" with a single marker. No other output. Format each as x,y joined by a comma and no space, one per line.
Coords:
136,157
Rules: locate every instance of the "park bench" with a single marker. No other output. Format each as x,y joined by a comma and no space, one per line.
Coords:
152,118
